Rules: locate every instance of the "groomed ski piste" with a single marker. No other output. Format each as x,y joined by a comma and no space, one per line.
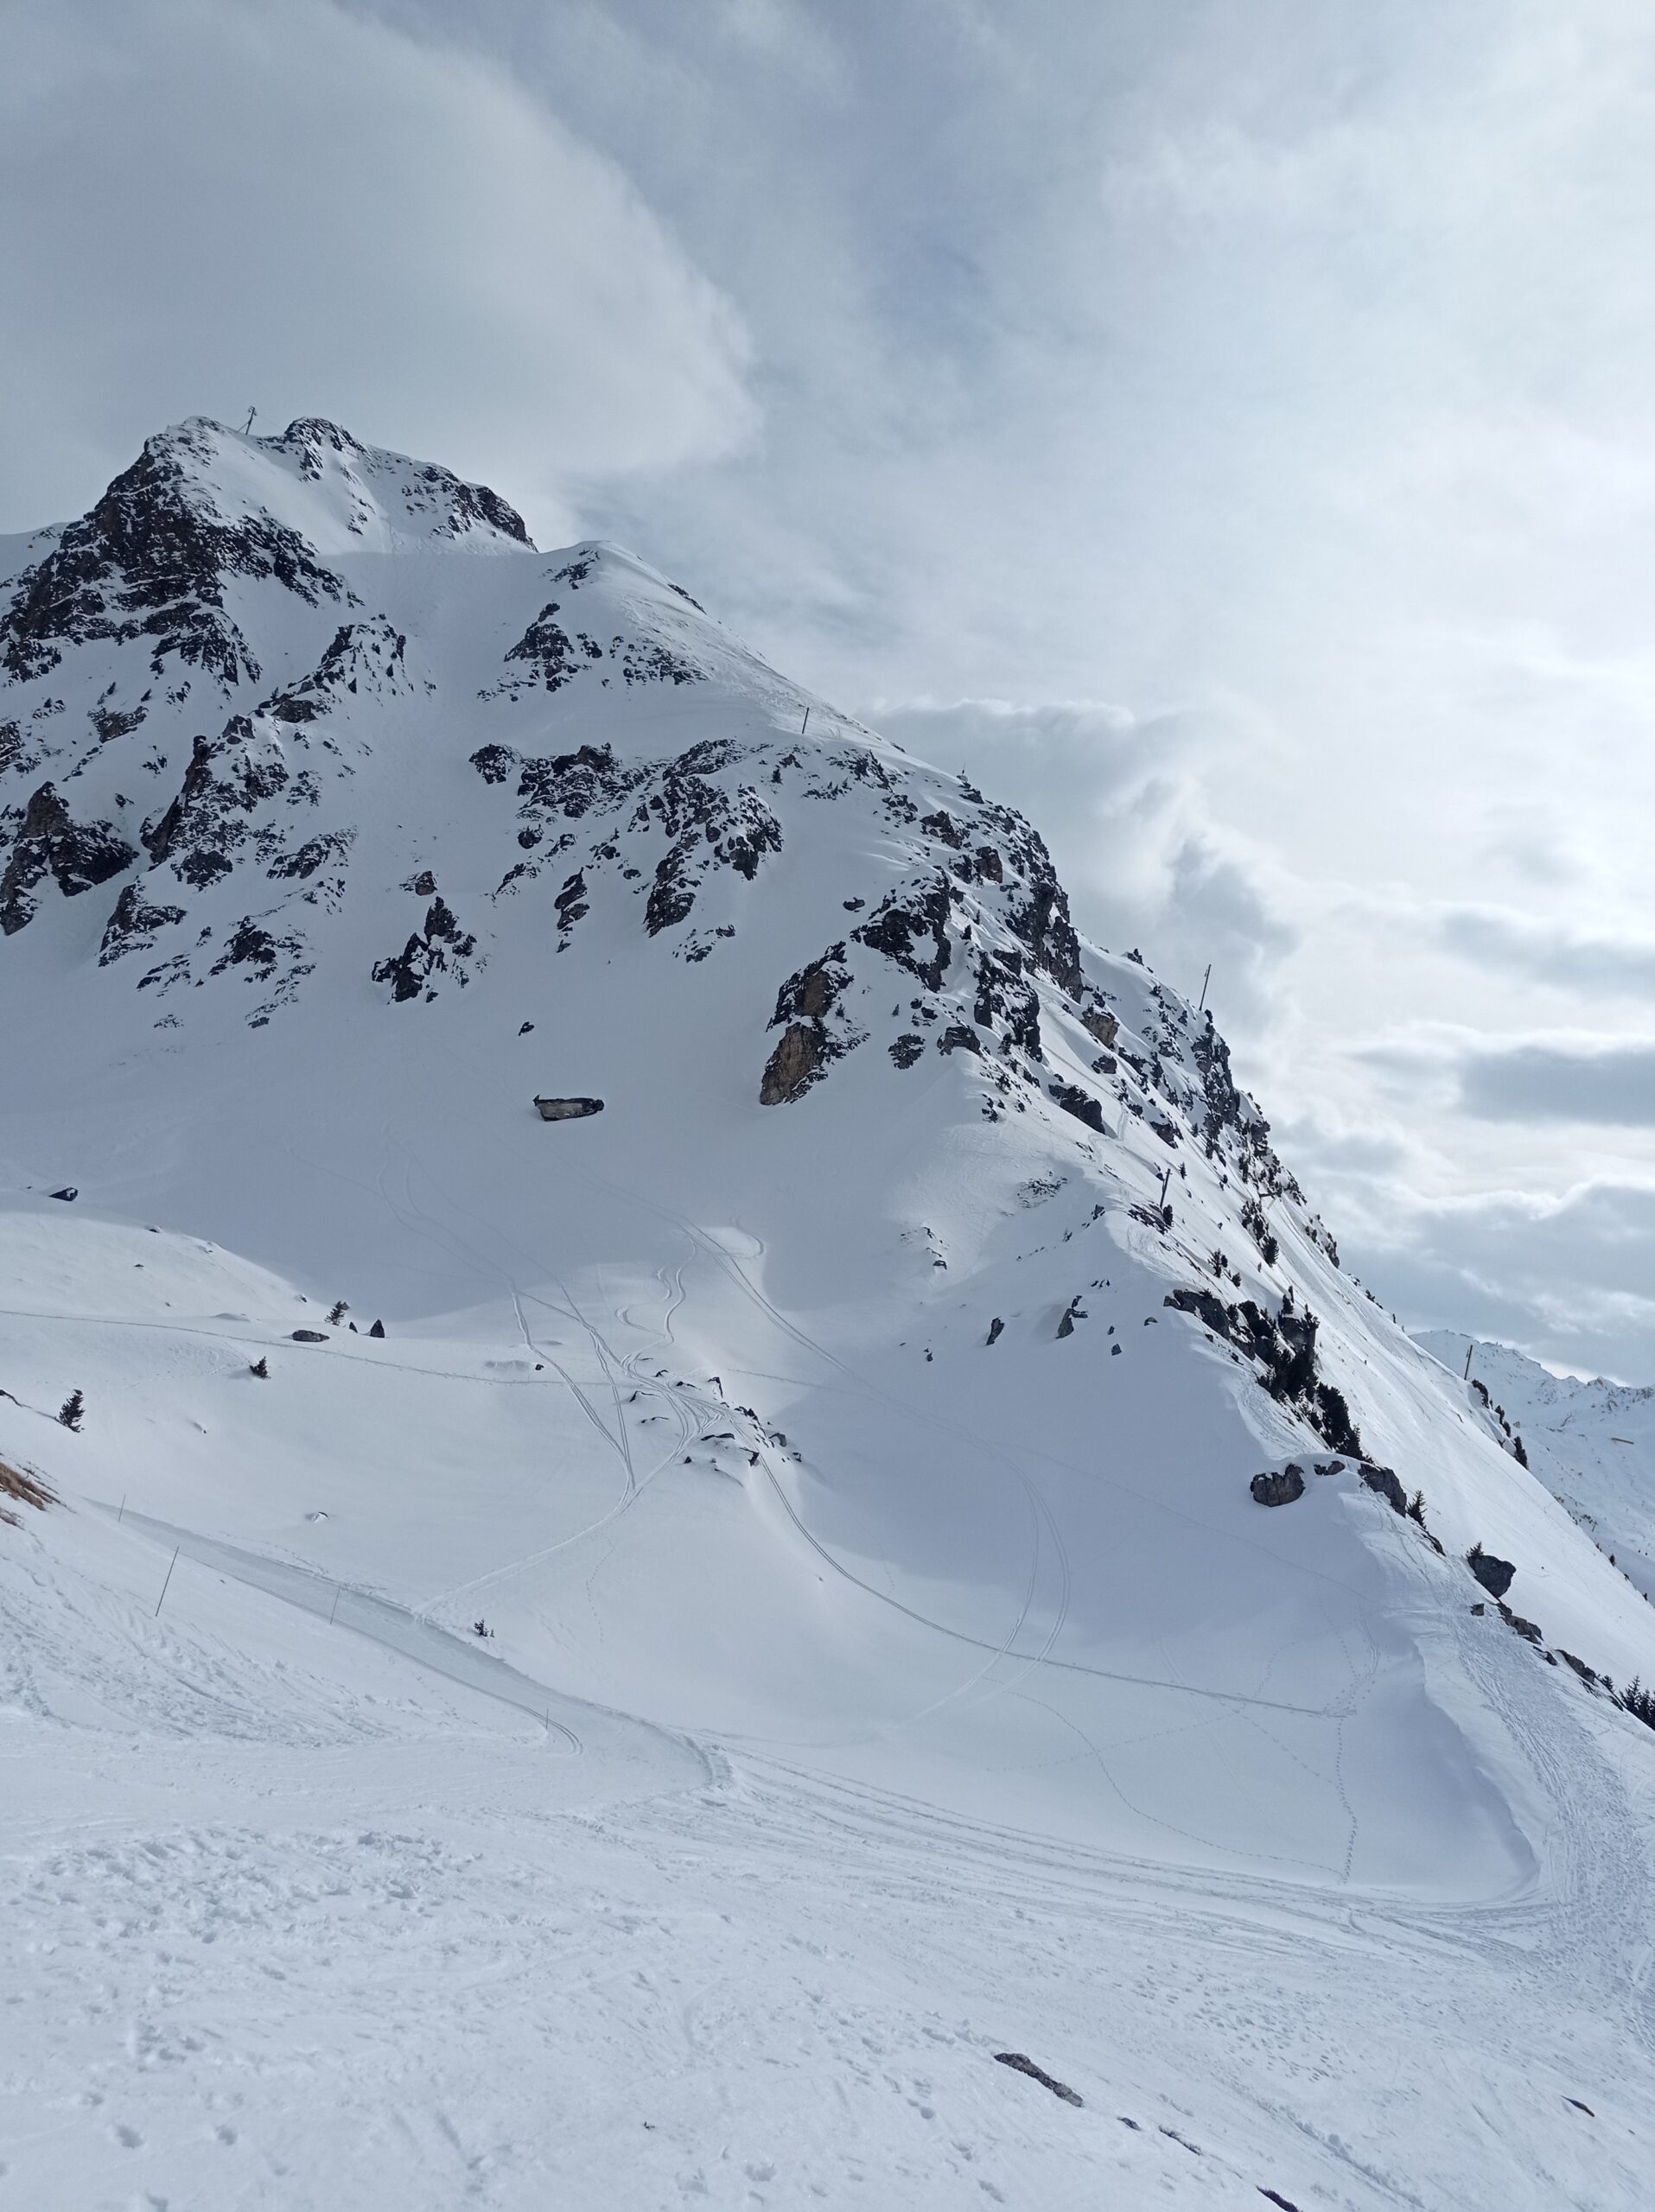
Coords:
890,1667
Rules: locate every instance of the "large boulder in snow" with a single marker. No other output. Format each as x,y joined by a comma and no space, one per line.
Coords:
1283,1488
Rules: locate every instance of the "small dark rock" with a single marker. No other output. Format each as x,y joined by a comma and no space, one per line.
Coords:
378,1330
1021,2064
68,1193
995,1328
310,1336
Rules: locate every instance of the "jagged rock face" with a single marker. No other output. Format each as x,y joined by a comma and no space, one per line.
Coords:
152,561
226,709
792,1067
48,842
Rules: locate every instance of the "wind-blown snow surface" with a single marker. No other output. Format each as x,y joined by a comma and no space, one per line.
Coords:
890,1664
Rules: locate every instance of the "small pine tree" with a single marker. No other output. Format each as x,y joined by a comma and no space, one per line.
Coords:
1640,1702
261,1367
1416,1508
70,1411
340,1310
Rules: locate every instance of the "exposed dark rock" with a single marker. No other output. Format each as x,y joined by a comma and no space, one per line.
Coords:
996,1328
309,1336
152,560
960,1036
1024,2065
251,945
570,901
1041,919
50,843
378,1330
362,656
943,826
69,1193
1528,1631
545,656
810,992
333,846
1285,1348
1208,1309
1496,1575
1278,1488
229,778
1385,1481
906,1049
443,945
1006,1000
794,1066
904,920
1080,1103
567,1109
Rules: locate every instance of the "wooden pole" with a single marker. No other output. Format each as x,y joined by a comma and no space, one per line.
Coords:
1466,1378
1205,980
162,1600
805,724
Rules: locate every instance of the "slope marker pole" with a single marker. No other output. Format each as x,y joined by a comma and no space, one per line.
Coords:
121,1516
330,1616
1466,1378
162,1600
805,724
1205,980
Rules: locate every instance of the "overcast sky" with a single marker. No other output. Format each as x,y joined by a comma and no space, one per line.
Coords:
1225,426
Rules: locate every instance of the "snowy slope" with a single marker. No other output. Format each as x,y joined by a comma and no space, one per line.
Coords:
1592,1443
857,1419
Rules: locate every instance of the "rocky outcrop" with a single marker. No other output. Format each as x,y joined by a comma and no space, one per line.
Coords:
1496,1575
793,1066
1283,1487
910,926
440,947
153,560
1284,1347
807,1045
134,924
49,843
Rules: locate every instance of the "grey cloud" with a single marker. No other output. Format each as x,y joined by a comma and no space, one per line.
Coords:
1613,1084
1550,952
1567,1279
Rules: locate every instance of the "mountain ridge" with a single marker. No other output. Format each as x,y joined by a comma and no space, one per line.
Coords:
943,1240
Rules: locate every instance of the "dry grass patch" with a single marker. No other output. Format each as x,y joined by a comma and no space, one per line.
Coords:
27,1489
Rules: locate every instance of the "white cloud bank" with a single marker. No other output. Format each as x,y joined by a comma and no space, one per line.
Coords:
214,204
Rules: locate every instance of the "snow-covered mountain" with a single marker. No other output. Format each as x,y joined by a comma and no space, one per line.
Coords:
920,1380
1592,1443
